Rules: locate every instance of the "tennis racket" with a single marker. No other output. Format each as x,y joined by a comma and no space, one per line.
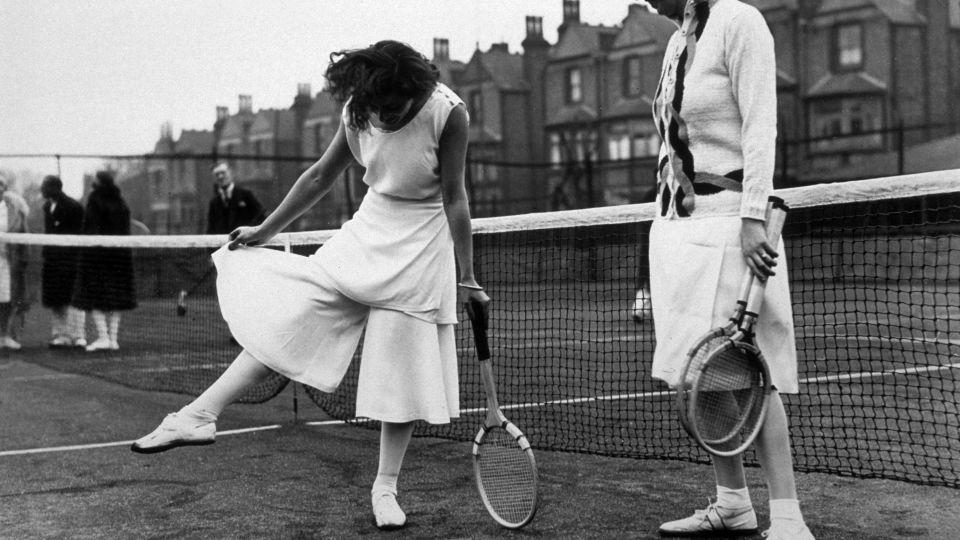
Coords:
705,346
726,399
503,463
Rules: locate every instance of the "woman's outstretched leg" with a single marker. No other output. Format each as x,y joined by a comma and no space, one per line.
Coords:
195,423
394,439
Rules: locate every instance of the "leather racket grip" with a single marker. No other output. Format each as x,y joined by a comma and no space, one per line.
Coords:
477,311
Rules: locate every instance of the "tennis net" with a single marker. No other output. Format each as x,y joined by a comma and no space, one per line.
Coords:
874,268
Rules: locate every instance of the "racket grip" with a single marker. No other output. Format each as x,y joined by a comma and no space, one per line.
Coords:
776,216
477,312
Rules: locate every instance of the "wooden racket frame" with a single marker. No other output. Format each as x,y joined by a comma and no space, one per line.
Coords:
477,312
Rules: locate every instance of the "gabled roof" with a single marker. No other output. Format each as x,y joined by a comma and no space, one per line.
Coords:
194,141
641,27
846,83
580,39
573,114
505,69
897,11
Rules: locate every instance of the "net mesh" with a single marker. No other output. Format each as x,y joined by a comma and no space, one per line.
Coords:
874,271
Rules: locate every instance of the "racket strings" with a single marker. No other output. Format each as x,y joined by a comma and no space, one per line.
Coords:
730,397
506,475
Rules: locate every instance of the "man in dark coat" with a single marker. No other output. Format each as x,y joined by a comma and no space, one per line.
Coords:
61,215
231,206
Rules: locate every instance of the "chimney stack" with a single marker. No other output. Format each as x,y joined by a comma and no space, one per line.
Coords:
166,131
246,104
441,49
571,13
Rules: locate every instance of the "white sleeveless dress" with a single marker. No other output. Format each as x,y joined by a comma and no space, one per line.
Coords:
390,269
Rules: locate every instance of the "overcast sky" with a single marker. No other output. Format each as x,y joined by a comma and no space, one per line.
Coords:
102,76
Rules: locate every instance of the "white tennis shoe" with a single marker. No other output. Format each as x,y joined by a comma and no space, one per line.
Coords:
642,309
176,430
386,511
713,521
788,530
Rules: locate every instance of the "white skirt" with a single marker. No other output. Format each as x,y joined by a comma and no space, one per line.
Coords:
288,312
696,266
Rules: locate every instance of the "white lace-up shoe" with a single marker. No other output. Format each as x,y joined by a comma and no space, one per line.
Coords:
642,309
176,430
788,530
386,511
713,521
100,344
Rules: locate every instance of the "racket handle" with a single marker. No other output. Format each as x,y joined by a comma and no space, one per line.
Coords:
776,216
477,311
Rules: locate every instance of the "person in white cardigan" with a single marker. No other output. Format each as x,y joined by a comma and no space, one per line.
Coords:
715,109
389,274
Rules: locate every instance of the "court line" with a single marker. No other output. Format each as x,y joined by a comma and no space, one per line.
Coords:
515,406
48,449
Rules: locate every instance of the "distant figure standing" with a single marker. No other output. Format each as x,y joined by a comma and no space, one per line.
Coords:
61,215
105,280
13,263
231,206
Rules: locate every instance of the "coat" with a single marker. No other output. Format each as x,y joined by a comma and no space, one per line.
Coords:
59,273
242,208
105,275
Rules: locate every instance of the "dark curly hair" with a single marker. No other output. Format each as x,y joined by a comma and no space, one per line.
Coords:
380,78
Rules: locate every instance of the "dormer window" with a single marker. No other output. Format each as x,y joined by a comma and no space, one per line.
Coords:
848,42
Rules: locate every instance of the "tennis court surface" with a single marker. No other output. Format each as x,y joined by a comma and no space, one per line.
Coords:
874,268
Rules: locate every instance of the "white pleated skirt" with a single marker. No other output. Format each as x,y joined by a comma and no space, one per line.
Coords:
696,266
286,311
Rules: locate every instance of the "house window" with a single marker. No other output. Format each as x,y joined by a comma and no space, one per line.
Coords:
574,85
632,76
846,124
954,16
476,107
849,47
646,145
618,146
556,150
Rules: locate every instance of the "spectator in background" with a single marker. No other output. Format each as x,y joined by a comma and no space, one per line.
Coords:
105,275
13,263
231,206
61,215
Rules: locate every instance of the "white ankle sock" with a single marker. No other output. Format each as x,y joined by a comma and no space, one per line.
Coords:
733,498
385,482
201,415
786,509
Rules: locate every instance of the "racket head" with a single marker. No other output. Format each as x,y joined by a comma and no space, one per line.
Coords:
506,474
691,369
727,400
